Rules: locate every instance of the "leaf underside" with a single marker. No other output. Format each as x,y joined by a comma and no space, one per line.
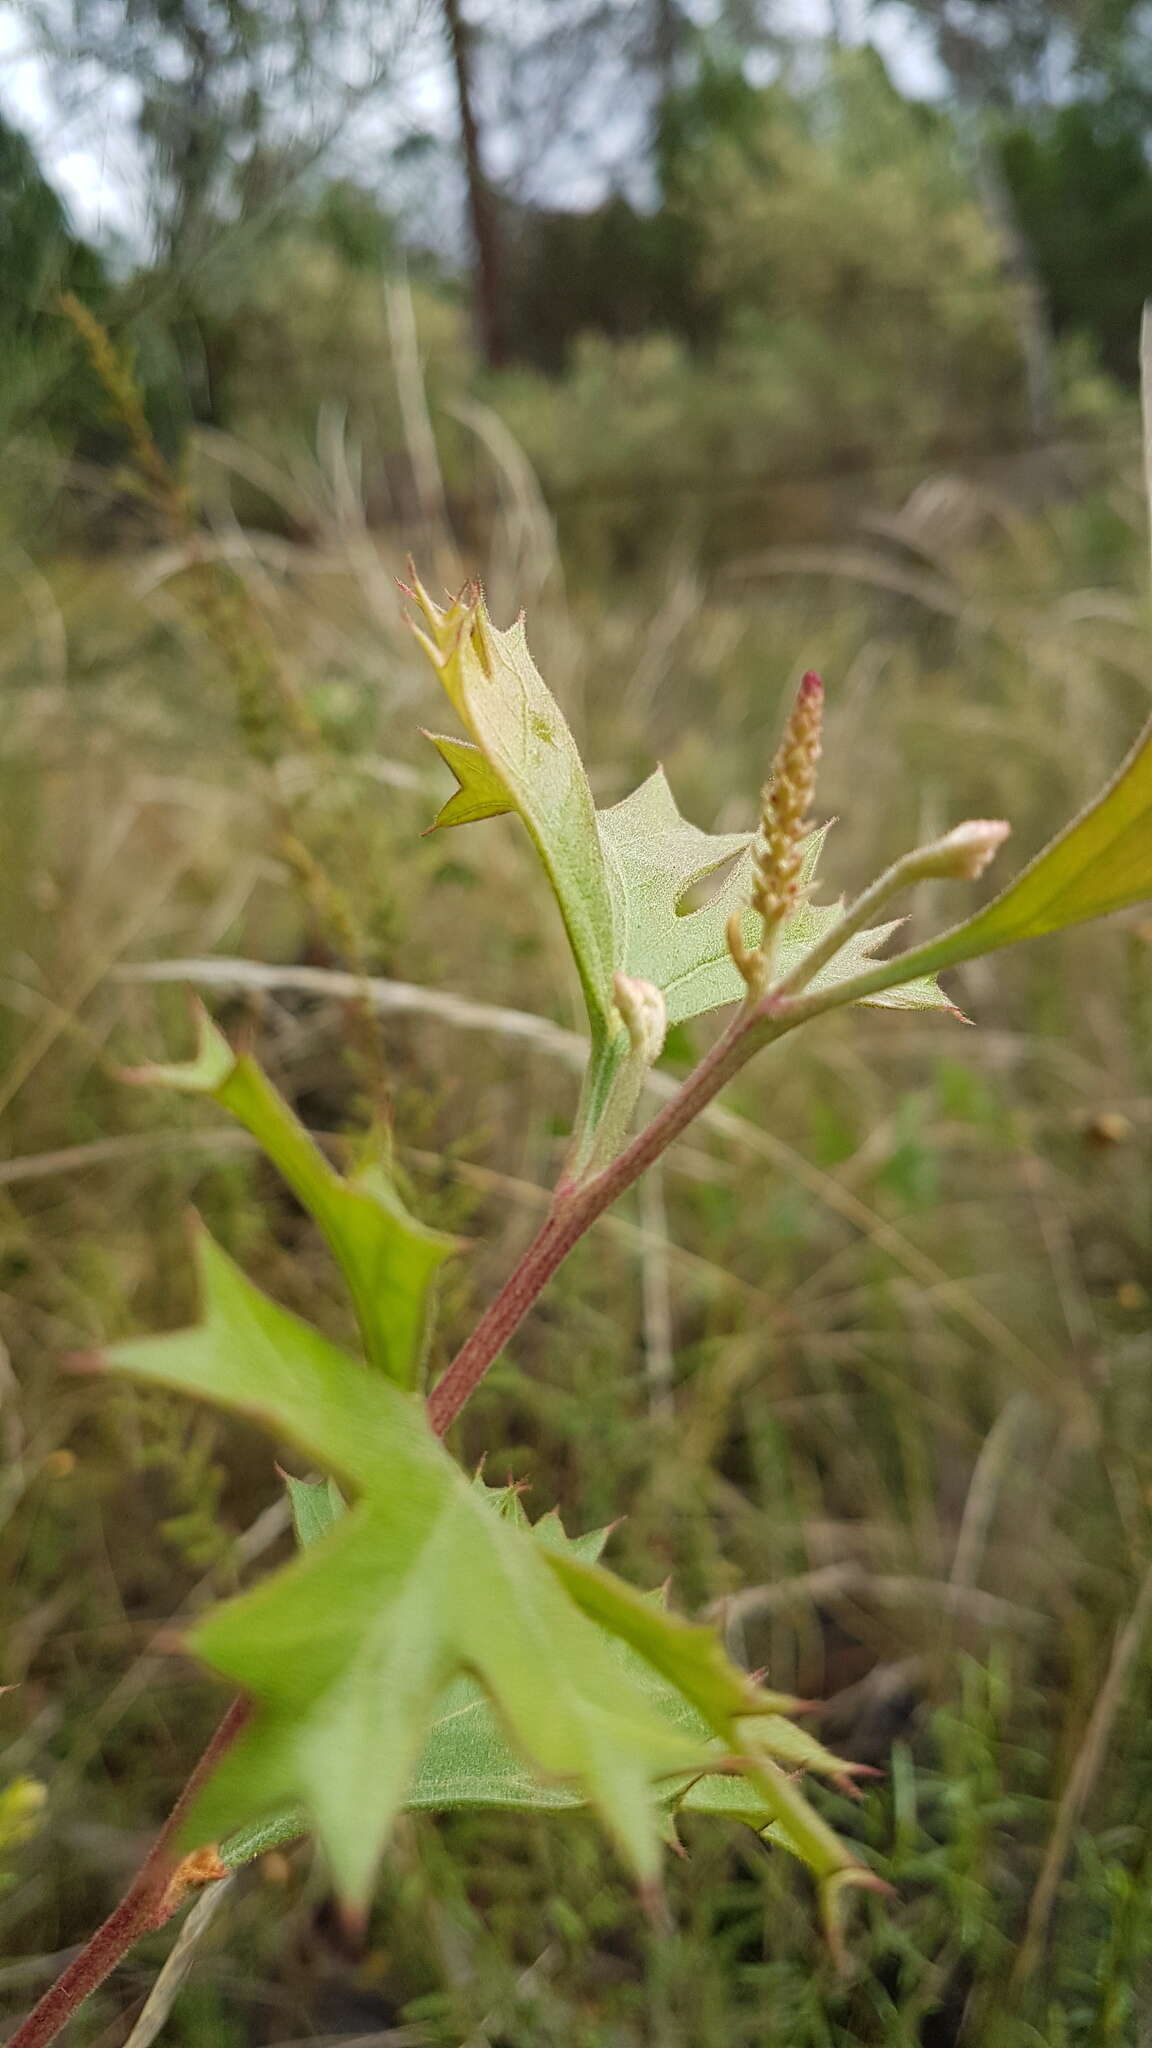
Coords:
428,1582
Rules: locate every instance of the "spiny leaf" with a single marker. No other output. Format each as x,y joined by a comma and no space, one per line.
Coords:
524,748
389,1259
621,875
348,1651
467,1761
481,793
808,924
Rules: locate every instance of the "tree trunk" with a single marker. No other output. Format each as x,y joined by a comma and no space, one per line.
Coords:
487,288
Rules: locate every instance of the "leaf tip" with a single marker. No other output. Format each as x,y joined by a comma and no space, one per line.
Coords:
85,1362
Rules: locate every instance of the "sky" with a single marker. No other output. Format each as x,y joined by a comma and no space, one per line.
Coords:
89,152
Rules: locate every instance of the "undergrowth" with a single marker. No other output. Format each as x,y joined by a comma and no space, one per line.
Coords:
868,1363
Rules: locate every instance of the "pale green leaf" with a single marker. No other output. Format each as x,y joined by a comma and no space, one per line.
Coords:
623,877
528,752
389,1259
316,1504
808,924
467,1761
653,857
347,1652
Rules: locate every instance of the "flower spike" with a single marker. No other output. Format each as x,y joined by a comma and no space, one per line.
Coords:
778,860
784,802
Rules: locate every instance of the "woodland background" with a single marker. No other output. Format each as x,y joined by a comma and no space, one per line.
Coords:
728,346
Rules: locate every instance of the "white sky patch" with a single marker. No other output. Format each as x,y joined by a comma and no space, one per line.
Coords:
88,149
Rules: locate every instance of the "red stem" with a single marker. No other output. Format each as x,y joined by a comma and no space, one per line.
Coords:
576,1206
149,1902
151,1899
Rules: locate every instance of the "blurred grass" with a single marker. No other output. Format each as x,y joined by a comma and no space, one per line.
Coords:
869,1367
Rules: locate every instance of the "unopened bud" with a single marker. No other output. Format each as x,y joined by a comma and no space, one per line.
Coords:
965,852
749,963
642,1006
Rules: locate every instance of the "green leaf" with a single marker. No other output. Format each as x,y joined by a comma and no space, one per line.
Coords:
622,877
389,1259
348,1652
653,857
468,1762
481,793
316,1504
808,925
522,748
1101,862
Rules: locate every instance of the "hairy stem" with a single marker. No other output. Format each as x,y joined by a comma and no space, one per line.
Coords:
154,1895
576,1205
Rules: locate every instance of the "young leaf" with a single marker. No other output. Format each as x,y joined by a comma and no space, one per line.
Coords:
389,1259
808,924
347,1652
1101,862
621,875
521,746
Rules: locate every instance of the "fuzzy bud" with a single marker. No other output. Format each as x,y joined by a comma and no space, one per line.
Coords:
965,852
642,1006
749,964
784,821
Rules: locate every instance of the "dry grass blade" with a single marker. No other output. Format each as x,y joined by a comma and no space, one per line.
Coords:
163,1994
931,591
117,1152
418,435
1146,409
1000,1445
1083,1776
852,1581
387,998
59,1016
